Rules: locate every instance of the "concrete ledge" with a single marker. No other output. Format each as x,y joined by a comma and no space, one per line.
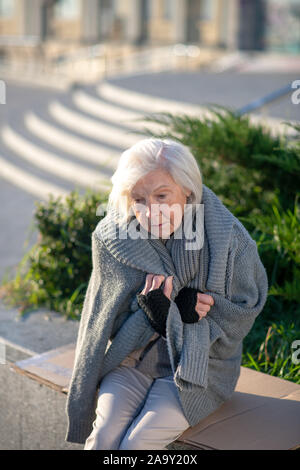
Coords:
32,414
264,412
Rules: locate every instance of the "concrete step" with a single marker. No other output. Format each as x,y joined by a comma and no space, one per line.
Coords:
43,158
38,187
90,127
77,174
95,161
146,103
49,138
102,109
68,142
33,179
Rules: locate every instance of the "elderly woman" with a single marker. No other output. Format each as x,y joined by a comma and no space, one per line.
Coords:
160,338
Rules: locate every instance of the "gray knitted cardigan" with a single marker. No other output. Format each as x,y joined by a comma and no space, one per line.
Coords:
205,356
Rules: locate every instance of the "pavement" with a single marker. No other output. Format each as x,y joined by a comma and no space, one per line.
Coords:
37,331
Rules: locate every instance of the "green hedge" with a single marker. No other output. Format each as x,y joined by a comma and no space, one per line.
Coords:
256,175
55,272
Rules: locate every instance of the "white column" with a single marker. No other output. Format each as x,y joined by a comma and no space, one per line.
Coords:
233,23
30,17
134,20
180,20
90,20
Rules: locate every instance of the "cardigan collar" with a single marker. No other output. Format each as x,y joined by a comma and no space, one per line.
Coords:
153,256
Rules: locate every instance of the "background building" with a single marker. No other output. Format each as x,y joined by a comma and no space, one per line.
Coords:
228,24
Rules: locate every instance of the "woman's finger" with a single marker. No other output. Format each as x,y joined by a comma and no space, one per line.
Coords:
158,279
202,306
201,314
205,298
168,287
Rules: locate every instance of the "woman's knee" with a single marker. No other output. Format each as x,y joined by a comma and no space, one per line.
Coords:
132,442
144,438
104,436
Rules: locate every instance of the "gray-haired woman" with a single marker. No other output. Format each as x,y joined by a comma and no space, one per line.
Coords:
176,285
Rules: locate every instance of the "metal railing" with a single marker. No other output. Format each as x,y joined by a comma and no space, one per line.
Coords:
265,101
264,104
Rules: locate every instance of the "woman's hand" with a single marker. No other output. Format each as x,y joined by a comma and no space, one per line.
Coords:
154,281
204,302
156,302
192,304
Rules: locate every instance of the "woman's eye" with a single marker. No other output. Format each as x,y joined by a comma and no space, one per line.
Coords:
162,195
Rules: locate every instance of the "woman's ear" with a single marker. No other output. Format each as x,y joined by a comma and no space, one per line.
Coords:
188,197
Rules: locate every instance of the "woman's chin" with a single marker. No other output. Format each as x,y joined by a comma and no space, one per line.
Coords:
161,232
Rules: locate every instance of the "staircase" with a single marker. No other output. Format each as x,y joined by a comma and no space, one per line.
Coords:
75,140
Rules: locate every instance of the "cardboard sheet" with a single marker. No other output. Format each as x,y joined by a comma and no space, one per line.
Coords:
53,368
264,413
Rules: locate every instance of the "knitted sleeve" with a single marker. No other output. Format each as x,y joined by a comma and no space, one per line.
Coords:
231,319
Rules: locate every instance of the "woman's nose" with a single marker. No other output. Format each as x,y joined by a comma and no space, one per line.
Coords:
152,210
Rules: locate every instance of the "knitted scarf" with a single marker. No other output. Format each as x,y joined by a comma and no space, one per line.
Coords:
205,356
187,266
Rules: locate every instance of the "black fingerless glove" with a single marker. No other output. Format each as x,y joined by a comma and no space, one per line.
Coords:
186,302
156,306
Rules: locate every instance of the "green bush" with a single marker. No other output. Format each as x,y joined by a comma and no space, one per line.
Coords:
257,176
274,356
242,162
55,272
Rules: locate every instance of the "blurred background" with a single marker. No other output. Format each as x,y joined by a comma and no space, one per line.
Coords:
77,38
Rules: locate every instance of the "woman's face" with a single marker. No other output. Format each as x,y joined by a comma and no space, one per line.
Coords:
158,203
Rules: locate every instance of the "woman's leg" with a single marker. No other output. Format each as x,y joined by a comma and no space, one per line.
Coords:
160,421
121,395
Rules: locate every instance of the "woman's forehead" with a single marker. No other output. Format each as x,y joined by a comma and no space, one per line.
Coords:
155,188
154,181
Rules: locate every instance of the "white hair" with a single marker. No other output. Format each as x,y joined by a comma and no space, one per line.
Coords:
148,155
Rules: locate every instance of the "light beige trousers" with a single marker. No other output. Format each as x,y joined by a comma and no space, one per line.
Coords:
136,412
